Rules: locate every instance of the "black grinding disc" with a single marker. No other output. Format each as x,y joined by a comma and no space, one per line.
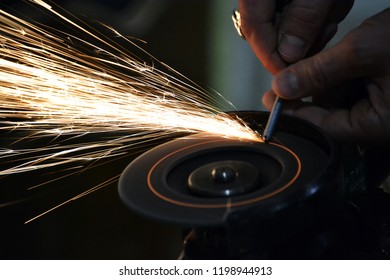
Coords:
199,179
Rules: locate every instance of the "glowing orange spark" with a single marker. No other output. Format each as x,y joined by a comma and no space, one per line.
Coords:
59,90
49,86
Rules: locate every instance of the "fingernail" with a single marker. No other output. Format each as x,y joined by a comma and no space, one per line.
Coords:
291,48
286,85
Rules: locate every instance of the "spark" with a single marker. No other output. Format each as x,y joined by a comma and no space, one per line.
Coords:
55,84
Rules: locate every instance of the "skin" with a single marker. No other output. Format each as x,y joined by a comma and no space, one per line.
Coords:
357,69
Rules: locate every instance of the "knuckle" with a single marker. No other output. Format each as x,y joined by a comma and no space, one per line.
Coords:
352,49
316,75
358,51
366,47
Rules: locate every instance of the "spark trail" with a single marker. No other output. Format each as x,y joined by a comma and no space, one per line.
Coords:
53,83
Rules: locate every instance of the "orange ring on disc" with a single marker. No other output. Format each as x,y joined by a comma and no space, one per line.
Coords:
220,205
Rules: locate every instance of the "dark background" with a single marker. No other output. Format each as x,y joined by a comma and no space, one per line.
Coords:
98,226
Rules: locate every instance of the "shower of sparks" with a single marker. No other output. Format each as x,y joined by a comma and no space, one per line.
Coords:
54,84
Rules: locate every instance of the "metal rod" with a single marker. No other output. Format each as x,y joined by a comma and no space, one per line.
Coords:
273,119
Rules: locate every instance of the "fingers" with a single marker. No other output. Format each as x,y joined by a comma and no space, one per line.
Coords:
362,53
366,123
338,12
301,24
362,56
309,25
258,28
306,26
361,125
344,125
289,106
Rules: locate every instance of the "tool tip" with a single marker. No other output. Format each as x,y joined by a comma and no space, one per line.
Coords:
266,139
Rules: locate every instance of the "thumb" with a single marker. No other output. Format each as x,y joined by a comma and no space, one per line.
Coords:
315,75
359,54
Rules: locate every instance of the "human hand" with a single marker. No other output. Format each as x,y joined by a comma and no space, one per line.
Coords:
304,28
363,55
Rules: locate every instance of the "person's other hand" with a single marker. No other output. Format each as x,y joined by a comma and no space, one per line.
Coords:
304,27
362,55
